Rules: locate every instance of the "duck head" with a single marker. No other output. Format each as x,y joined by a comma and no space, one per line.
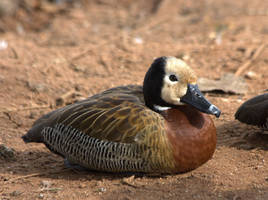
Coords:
170,82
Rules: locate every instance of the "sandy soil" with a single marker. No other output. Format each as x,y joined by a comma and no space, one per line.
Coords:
82,50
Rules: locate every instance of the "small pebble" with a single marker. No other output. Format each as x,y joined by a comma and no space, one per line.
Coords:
225,100
41,196
128,180
185,57
102,189
212,35
15,193
33,115
82,185
6,152
46,184
251,75
37,87
138,40
3,45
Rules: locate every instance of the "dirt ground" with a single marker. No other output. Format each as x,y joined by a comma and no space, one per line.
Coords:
53,56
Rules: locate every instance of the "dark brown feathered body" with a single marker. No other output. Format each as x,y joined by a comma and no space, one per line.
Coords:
157,128
254,111
129,135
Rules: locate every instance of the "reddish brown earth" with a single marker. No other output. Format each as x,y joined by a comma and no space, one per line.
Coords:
82,50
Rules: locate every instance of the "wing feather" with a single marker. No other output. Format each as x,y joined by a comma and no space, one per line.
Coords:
117,115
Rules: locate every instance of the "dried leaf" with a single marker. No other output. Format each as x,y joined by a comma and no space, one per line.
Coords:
228,83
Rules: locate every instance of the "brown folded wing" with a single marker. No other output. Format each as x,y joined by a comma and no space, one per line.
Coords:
117,115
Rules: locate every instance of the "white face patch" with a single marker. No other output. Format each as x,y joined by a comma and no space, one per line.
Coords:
175,65
183,91
178,102
175,87
170,95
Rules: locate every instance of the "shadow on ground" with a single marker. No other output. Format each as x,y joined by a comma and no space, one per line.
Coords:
240,136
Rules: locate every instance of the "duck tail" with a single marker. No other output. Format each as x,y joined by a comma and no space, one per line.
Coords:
33,135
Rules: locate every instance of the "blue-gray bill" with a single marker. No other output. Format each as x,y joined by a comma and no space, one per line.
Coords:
195,98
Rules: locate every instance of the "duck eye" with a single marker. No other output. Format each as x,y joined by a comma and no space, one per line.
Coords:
173,78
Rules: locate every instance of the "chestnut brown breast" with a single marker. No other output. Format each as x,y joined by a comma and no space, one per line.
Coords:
192,135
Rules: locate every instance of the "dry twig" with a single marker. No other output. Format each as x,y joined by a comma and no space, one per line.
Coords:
36,174
11,119
247,64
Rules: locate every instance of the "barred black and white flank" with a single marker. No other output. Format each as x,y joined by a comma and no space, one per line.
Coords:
93,153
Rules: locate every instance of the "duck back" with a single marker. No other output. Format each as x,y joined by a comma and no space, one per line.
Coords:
254,111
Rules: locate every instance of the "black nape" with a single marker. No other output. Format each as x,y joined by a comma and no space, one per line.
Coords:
153,83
